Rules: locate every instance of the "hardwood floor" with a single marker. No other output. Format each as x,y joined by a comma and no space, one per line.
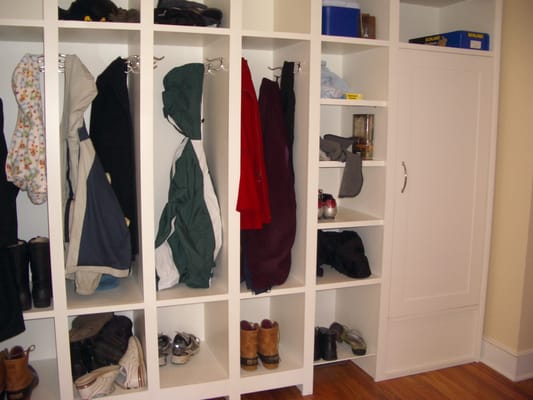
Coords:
345,380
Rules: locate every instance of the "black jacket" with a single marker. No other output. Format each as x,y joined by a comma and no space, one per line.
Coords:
113,139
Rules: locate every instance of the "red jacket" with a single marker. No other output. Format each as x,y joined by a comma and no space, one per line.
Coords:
252,200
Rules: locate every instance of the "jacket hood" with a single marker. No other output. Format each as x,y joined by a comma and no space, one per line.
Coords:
114,78
80,90
182,98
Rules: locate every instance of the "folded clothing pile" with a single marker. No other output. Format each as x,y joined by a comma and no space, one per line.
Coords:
344,251
98,10
184,12
98,340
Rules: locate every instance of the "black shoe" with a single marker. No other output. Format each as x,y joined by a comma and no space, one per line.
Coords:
328,344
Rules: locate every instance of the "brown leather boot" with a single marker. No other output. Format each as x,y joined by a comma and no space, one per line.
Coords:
21,378
268,343
249,332
2,373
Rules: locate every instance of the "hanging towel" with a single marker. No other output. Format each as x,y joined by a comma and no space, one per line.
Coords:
26,159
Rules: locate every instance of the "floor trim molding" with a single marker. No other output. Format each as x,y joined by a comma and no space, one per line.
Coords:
515,366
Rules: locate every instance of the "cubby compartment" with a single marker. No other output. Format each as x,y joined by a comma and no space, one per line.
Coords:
367,202
289,312
277,16
97,49
223,5
423,18
131,17
381,10
23,11
212,50
265,59
207,321
356,308
137,318
43,358
372,238
338,119
363,67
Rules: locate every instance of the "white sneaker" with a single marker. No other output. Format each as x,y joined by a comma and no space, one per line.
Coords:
97,383
132,374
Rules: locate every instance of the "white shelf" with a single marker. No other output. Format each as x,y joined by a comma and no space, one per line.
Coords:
353,103
21,23
39,313
127,296
344,353
340,164
181,294
347,218
450,50
201,368
343,44
291,286
95,25
333,279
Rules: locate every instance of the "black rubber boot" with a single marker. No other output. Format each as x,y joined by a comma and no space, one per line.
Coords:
328,344
18,260
41,271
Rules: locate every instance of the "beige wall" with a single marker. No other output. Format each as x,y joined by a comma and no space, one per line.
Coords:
509,313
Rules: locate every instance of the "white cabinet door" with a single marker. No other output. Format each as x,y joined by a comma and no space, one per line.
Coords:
443,158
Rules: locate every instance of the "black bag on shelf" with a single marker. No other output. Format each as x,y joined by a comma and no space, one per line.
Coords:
184,12
96,10
344,251
112,341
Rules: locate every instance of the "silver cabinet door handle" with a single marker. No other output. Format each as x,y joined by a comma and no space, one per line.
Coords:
404,177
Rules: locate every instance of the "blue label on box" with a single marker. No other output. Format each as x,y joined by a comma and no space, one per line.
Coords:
460,39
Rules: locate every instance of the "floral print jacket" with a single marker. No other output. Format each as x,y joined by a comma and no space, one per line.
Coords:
26,161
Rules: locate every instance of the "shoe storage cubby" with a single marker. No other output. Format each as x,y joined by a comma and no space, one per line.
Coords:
137,318
288,311
208,322
355,308
44,356
265,33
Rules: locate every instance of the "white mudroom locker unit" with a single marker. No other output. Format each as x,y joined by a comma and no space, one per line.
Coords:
424,211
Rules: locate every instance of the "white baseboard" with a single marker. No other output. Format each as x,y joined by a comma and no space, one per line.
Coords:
515,366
